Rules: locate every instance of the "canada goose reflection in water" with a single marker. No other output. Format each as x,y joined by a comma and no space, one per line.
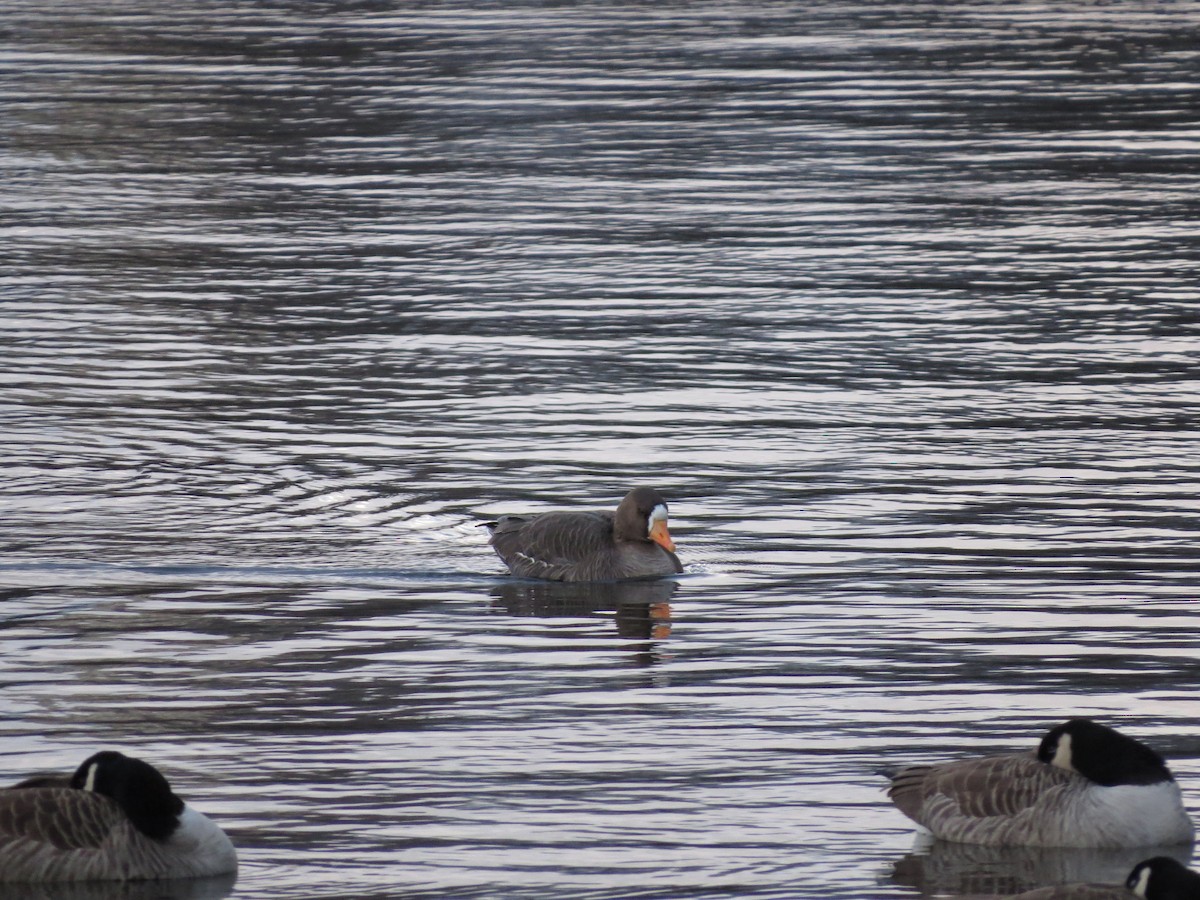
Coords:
642,609
944,868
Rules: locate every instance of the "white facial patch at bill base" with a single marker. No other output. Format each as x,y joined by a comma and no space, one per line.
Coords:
658,514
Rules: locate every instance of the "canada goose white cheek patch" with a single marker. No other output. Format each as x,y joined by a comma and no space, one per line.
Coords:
90,784
1062,754
1143,882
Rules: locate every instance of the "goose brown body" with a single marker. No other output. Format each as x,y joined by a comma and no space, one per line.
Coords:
590,546
55,830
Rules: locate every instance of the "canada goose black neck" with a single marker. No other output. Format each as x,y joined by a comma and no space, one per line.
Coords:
632,521
1102,755
138,788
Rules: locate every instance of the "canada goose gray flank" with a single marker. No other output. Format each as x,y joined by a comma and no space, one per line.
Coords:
1085,786
631,543
116,818
1158,878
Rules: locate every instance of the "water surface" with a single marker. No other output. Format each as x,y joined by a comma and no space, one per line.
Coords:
897,306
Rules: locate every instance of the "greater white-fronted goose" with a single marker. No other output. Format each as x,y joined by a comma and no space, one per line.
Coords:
116,819
1158,878
633,542
1085,786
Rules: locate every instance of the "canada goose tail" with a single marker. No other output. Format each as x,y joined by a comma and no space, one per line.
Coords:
907,790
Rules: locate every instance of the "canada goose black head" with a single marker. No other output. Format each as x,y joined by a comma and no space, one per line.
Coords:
642,516
1101,754
141,791
1163,878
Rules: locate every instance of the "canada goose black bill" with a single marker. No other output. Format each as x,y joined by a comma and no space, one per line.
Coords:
116,818
631,543
1085,786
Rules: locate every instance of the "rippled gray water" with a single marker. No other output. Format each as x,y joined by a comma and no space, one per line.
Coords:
897,306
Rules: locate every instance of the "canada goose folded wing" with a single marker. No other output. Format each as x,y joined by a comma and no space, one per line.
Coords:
47,831
977,788
989,800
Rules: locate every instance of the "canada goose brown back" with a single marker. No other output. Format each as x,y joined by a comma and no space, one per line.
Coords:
632,542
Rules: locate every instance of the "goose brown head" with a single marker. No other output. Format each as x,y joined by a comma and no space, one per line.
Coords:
642,516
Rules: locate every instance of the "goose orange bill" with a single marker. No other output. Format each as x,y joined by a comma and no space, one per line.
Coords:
661,536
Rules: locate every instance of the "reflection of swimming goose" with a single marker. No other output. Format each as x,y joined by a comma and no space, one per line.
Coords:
590,546
116,818
1160,878
1086,786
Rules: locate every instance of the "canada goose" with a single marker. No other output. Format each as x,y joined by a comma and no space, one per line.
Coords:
633,542
1158,878
1086,786
116,818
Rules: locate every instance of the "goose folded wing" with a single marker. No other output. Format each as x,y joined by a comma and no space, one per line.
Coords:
553,539
978,788
62,818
